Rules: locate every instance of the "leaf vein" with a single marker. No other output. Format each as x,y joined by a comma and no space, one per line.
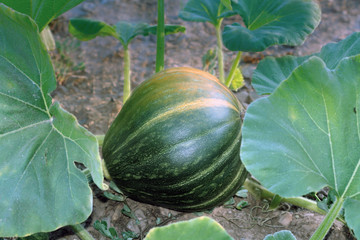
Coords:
26,127
305,151
26,103
330,141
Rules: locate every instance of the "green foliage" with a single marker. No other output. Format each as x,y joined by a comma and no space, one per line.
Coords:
129,213
282,235
230,203
126,31
270,23
272,71
202,228
238,80
40,180
119,198
309,130
87,29
227,4
42,11
242,204
242,193
111,233
206,11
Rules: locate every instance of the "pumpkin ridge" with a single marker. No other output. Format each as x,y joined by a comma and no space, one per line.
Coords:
147,183
229,188
192,105
199,135
202,134
217,164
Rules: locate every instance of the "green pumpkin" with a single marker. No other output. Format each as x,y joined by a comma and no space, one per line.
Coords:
176,142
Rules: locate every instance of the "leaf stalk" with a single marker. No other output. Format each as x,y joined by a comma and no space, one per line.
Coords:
259,191
160,34
326,224
219,51
127,72
234,66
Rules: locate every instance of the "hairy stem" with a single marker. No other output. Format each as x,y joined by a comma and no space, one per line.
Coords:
160,34
219,51
127,83
259,191
81,232
326,224
234,66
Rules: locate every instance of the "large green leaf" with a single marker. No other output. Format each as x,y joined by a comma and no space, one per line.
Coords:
271,71
306,135
205,11
275,22
202,228
87,29
41,187
42,11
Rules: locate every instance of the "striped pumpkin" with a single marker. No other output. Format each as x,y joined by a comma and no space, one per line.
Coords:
176,142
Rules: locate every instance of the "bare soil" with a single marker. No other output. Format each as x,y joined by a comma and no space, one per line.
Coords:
94,97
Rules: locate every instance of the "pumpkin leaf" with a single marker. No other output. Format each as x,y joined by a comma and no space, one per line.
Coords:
42,11
238,80
205,11
270,23
271,71
126,31
202,228
352,216
310,134
39,141
281,235
87,29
